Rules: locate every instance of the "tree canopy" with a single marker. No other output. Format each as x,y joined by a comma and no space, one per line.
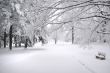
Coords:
44,17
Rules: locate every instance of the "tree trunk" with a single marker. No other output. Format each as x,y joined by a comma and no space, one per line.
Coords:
34,40
10,37
72,35
20,44
5,39
26,43
15,40
55,40
0,44
19,41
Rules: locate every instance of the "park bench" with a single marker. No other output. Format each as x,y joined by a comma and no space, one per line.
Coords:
100,56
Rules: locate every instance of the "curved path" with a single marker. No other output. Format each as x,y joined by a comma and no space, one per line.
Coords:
46,59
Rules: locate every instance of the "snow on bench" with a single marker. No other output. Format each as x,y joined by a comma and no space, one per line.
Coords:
100,56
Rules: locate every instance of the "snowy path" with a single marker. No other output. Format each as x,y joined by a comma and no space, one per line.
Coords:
48,59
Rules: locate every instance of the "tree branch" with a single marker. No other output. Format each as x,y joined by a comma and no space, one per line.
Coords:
96,16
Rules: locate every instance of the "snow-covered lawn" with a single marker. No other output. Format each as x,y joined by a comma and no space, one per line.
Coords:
51,58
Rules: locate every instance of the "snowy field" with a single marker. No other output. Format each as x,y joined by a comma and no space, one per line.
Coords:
51,58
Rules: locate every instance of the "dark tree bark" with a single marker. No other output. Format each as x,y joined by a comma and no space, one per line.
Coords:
10,37
20,44
15,40
34,40
5,39
0,44
72,35
26,43
55,40
20,41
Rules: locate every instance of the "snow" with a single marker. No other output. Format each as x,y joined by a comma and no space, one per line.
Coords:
60,58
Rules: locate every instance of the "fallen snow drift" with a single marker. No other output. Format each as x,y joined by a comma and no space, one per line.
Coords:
51,58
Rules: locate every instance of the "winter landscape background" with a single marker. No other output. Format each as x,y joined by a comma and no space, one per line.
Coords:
54,36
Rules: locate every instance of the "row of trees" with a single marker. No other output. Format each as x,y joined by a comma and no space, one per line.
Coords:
88,20
10,23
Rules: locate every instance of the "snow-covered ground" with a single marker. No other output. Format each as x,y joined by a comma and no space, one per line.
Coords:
51,58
